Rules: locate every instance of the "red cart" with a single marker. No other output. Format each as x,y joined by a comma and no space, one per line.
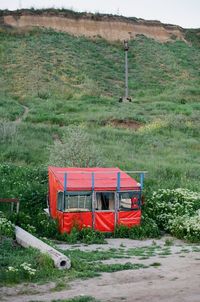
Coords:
99,198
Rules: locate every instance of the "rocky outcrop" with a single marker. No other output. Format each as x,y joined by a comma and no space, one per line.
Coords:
111,28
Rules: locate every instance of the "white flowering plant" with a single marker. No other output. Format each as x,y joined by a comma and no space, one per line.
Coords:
6,227
187,227
166,204
23,271
27,269
173,209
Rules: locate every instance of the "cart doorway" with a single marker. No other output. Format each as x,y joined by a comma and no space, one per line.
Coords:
105,201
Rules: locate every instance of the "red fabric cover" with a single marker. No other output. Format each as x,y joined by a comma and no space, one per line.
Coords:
60,216
105,179
54,187
104,221
129,218
83,219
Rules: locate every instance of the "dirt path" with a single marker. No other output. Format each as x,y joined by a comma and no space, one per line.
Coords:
23,116
175,278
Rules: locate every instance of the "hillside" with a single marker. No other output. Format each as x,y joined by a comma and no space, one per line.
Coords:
50,80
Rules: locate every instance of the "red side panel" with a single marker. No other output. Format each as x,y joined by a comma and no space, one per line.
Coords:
54,187
60,219
76,219
104,221
129,218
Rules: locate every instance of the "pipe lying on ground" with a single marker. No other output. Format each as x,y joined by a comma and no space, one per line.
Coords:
25,239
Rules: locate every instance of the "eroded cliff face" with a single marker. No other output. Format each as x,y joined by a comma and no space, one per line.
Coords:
111,29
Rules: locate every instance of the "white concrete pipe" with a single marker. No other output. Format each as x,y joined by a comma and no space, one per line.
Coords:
25,239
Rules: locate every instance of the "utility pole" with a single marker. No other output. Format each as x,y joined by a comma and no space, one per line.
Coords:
126,96
126,47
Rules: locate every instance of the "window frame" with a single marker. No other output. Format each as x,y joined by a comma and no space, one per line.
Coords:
95,201
62,201
66,208
135,194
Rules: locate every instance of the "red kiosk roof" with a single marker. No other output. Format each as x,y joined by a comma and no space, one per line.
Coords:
105,179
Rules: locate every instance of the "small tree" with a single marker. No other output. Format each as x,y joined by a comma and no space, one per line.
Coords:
75,150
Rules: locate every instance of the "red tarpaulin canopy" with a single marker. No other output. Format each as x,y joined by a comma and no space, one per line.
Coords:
105,179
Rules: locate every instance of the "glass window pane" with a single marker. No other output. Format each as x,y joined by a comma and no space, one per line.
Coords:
128,201
60,201
78,203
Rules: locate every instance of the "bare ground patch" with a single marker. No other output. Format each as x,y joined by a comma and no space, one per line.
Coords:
123,123
170,276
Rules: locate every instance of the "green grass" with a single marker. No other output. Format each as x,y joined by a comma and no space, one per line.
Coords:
65,80
84,264
12,255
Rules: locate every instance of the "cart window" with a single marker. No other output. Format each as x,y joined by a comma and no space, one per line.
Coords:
60,201
129,201
78,202
105,201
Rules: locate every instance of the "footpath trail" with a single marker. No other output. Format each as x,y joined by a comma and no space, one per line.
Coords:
23,116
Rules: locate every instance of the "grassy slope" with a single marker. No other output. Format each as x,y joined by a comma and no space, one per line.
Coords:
65,80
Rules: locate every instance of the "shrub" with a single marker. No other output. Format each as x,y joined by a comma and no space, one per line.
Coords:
147,229
26,183
21,265
186,227
76,150
6,227
86,235
8,131
90,236
166,204
176,211
40,224
46,226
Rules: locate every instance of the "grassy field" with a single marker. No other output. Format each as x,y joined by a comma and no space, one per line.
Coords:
64,80
50,81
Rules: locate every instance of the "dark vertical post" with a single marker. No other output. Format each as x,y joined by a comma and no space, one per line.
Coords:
93,201
65,182
92,181
118,181
142,180
65,189
126,47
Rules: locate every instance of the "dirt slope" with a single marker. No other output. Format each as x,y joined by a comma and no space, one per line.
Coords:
109,28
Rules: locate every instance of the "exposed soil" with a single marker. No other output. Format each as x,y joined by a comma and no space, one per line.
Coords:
117,29
176,279
129,124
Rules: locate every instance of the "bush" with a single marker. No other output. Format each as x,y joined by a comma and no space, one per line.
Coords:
186,227
176,211
166,204
26,183
46,226
90,236
76,150
6,227
85,235
21,265
147,229
8,131
40,224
